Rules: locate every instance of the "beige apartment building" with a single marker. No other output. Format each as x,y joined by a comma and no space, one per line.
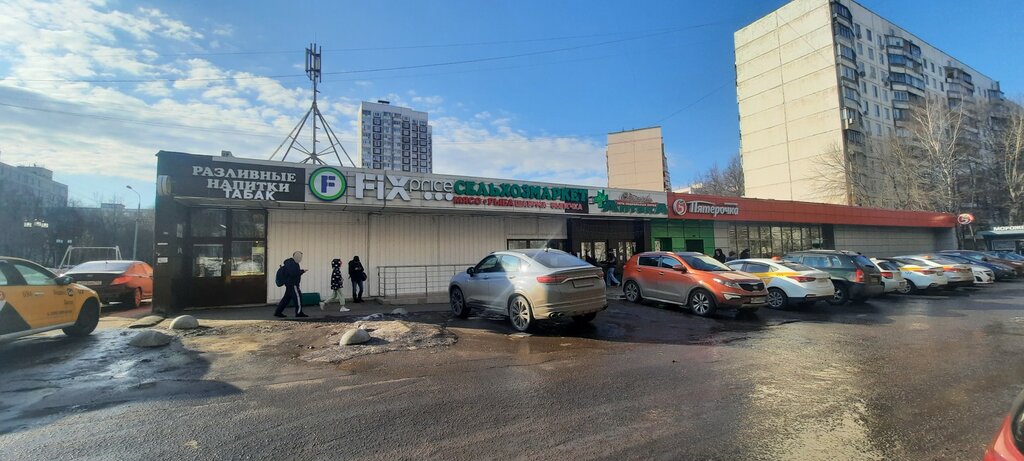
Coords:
636,160
819,81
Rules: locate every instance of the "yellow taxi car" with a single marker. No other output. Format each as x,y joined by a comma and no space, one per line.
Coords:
33,300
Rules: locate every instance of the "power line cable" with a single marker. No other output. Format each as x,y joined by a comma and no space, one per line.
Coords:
380,69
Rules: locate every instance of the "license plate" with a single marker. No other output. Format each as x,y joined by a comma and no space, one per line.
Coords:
582,283
91,283
757,300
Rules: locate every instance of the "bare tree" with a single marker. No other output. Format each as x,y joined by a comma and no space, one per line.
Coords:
940,133
841,176
1005,140
726,182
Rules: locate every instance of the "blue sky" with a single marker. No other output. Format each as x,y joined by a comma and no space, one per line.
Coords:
592,67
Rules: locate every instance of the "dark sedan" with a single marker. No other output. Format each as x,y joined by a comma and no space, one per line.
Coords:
128,282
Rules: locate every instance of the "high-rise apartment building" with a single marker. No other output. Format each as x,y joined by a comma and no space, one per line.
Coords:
394,138
35,181
636,160
817,81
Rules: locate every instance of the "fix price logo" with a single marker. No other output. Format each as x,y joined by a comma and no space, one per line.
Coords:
327,184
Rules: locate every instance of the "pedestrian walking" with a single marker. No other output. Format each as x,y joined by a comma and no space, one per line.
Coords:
612,262
337,286
719,255
290,275
745,254
357,274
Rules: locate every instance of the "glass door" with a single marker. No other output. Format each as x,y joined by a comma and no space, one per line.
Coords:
227,250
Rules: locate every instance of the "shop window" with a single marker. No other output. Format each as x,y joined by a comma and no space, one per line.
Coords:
207,260
208,222
248,258
248,224
527,244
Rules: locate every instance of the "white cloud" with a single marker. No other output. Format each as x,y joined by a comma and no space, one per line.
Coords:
113,130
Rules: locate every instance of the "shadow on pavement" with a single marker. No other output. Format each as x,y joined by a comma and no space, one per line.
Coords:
48,377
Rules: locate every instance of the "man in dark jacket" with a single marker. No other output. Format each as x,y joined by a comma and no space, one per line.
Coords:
357,274
292,278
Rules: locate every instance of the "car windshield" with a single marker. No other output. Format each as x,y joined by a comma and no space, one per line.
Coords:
558,260
703,262
945,260
795,266
1010,256
100,266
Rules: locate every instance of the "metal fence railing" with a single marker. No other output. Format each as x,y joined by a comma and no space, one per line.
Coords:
395,281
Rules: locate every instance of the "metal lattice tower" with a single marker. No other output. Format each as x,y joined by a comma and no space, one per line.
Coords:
313,153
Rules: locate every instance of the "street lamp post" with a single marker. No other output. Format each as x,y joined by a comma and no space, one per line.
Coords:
138,209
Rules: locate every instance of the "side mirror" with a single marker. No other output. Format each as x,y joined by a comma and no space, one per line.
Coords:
679,268
471,271
64,280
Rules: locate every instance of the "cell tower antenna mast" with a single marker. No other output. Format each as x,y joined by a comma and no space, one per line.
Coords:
313,115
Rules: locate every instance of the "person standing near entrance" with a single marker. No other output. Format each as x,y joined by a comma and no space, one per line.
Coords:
719,255
291,275
337,283
357,274
612,262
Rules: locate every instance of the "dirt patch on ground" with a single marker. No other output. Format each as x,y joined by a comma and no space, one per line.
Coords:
386,336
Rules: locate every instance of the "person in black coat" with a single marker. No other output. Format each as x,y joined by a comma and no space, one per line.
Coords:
357,274
719,255
292,277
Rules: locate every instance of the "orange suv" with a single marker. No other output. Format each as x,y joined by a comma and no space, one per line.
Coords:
690,279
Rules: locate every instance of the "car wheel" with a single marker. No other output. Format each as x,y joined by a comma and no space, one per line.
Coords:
585,318
520,313
88,318
777,298
458,302
134,299
702,303
840,296
906,288
632,290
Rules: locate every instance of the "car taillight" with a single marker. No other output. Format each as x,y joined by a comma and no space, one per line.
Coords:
929,272
887,274
801,278
551,279
858,276
120,280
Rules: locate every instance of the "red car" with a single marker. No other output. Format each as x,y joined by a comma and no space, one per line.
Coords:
126,281
1009,442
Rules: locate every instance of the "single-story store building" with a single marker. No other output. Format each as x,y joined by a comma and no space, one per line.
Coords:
225,224
1004,238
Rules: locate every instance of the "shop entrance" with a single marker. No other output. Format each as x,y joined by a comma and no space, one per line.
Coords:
595,238
226,254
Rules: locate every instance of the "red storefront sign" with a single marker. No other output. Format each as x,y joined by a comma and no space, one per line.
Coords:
710,207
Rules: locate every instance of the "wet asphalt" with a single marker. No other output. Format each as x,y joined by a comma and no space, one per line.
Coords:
912,377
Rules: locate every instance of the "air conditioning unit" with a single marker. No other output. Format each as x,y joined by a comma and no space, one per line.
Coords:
865,112
862,73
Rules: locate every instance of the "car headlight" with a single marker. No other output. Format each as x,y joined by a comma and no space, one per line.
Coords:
728,283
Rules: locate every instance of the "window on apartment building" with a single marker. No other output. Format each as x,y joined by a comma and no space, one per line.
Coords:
864,86
860,47
872,71
933,67
878,113
856,28
881,57
942,86
878,126
887,113
871,53
842,30
869,35
885,94
848,73
874,90
847,52
851,93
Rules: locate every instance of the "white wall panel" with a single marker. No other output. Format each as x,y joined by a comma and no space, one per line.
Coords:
892,241
393,239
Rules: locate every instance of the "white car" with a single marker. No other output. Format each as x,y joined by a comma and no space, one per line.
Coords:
892,277
788,282
918,277
958,274
983,275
